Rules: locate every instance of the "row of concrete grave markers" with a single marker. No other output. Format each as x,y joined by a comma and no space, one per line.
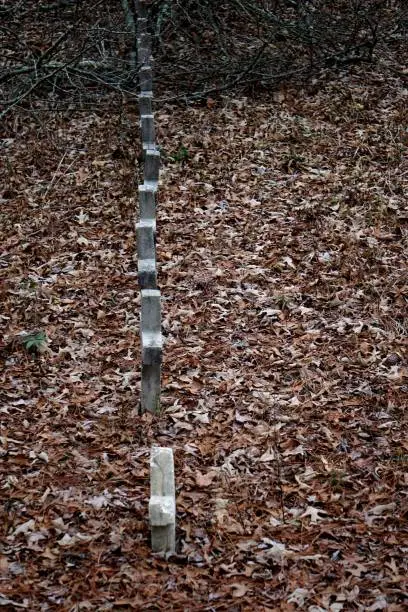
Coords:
150,322
162,503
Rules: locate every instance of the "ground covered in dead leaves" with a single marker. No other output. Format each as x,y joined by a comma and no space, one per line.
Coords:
283,268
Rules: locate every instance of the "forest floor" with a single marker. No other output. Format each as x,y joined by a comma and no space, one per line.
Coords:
282,249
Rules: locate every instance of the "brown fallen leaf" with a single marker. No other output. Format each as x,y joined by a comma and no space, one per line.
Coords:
204,480
238,590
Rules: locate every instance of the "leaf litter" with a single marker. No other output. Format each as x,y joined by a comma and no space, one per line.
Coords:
282,249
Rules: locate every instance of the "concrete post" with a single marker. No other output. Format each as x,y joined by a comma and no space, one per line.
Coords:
141,25
147,202
144,40
143,56
146,250
146,103
145,78
151,167
162,504
152,348
148,131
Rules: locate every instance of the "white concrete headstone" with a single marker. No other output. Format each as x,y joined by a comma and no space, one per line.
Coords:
162,504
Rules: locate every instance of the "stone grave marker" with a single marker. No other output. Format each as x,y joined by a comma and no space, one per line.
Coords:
151,167
162,504
148,132
146,103
146,251
152,348
145,78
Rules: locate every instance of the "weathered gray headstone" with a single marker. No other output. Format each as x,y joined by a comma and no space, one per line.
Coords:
150,388
146,249
147,203
145,239
142,23
145,78
146,103
162,504
144,40
148,131
151,167
152,348
143,56
152,342
147,273
144,49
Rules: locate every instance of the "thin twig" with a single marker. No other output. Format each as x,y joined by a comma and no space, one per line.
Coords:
18,99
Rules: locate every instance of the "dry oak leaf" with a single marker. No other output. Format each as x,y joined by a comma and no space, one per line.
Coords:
204,480
298,597
378,510
239,590
314,514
